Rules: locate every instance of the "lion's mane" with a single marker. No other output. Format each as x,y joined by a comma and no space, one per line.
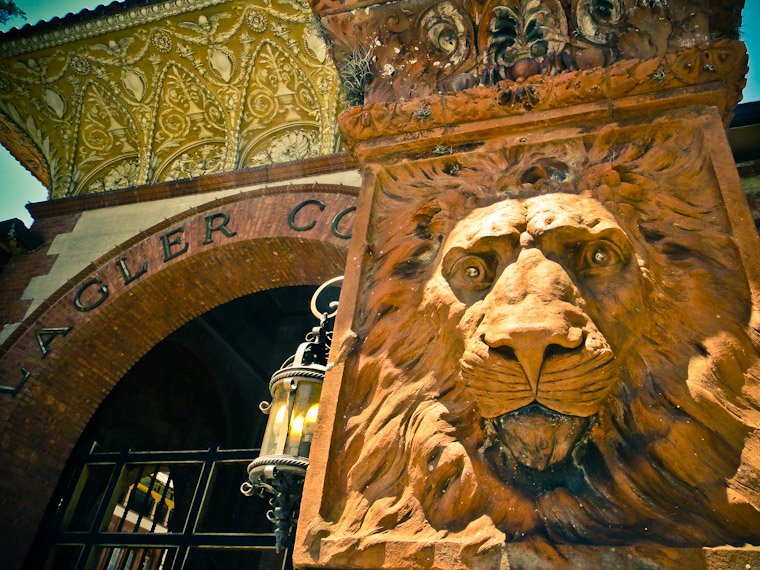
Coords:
672,455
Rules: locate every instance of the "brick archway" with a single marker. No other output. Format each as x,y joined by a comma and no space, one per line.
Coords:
67,386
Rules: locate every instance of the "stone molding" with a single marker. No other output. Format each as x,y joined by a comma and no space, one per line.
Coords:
210,183
722,64
98,26
395,51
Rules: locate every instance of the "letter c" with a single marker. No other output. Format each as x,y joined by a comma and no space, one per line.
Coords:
292,216
336,221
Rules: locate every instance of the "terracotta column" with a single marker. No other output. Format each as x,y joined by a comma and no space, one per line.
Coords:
547,352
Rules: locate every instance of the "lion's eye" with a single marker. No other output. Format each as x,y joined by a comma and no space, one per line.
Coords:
599,257
471,273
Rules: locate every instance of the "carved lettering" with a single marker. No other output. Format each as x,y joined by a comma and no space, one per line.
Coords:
13,390
46,336
292,216
170,243
220,228
103,290
336,220
128,277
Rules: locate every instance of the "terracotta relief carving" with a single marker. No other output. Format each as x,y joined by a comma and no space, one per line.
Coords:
525,38
136,17
106,129
203,159
294,144
722,61
122,175
554,345
231,76
187,112
459,44
20,146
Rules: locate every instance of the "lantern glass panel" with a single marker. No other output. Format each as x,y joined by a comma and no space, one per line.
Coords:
303,418
276,433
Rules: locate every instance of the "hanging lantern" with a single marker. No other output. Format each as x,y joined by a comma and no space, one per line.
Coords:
296,387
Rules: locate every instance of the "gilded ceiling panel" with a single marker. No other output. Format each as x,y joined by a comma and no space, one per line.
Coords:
165,94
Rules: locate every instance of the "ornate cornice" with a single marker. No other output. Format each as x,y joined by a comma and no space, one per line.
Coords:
721,64
395,51
171,94
311,167
33,41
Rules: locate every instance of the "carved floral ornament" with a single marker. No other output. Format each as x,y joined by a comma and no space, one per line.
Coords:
553,348
177,97
722,63
458,44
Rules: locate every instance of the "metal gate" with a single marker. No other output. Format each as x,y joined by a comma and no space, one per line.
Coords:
169,510
154,480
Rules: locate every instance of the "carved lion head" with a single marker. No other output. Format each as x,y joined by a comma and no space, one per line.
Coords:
558,344
515,276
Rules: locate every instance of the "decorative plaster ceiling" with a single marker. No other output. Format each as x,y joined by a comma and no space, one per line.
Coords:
167,91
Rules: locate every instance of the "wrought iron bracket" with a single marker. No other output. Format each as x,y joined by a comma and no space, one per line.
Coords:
284,481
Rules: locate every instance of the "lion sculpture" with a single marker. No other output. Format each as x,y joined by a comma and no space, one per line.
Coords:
557,344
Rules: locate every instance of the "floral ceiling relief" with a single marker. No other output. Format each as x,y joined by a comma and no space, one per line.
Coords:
195,91
205,159
279,93
106,129
123,174
295,144
187,113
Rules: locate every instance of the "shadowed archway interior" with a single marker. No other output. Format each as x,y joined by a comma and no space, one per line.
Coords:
153,480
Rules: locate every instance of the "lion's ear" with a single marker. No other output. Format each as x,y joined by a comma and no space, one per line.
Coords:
507,185
415,262
423,220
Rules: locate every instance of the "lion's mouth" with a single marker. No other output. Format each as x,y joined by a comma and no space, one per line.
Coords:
571,384
538,437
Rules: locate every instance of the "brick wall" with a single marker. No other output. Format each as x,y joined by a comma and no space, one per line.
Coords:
186,275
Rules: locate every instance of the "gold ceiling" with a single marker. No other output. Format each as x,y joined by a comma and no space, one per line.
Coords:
167,91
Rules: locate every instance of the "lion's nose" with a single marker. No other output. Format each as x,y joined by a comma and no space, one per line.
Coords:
531,344
531,313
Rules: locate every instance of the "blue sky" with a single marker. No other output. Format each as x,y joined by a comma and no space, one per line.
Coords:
19,187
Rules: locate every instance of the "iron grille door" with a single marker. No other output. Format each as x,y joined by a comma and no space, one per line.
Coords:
167,510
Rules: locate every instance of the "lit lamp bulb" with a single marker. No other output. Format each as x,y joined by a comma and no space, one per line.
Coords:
294,435
311,419
296,427
308,430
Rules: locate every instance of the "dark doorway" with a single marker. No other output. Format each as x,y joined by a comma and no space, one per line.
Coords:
154,480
